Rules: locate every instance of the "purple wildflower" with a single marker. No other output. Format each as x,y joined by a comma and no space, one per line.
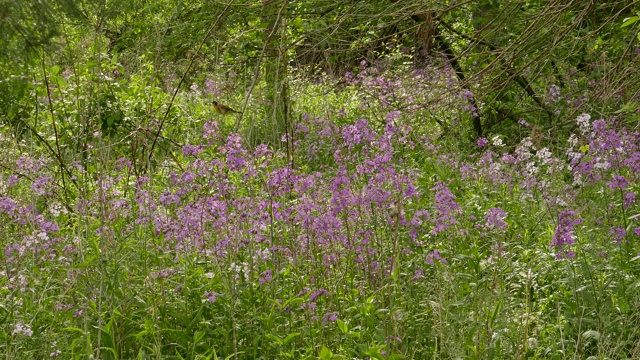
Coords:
318,293
554,93
192,149
468,96
523,122
618,234
629,199
265,277
599,125
418,275
435,255
563,234
41,184
446,208
211,296
124,163
330,316
618,182
495,219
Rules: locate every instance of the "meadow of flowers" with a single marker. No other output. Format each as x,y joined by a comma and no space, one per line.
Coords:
375,240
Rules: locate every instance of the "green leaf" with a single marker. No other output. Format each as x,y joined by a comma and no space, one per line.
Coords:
629,21
198,336
325,353
292,301
590,335
286,271
342,326
61,81
194,321
275,339
628,107
276,303
234,355
495,312
290,337
74,329
374,352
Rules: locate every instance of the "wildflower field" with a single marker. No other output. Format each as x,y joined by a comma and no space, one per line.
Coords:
373,223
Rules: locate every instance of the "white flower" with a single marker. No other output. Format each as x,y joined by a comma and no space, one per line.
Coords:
575,156
235,268
54,209
544,184
42,235
24,329
55,353
497,141
583,123
544,155
523,150
602,165
194,88
577,179
495,168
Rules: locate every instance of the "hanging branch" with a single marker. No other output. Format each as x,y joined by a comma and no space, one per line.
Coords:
519,79
184,75
258,64
57,154
453,60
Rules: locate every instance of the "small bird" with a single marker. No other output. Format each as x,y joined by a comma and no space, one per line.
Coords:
223,109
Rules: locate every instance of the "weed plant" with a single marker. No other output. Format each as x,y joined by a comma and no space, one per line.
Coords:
378,241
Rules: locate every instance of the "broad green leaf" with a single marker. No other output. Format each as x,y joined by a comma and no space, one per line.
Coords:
198,336
629,21
495,312
325,353
290,337
342,326
395,357
275,339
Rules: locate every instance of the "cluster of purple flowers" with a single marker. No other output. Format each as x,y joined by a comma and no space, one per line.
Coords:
249,216
563,235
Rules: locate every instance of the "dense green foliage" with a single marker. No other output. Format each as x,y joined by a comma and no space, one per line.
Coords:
405,180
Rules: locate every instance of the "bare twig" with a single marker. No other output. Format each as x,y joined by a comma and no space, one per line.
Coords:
184,75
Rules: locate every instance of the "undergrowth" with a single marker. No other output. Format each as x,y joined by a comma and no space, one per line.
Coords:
374,239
